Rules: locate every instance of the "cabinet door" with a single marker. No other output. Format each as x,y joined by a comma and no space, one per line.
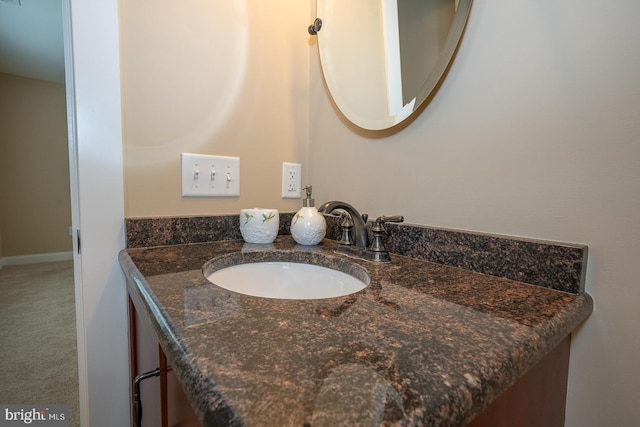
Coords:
179,411
535,400
144,358
163,400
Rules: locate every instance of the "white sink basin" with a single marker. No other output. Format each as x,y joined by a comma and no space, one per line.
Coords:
286,280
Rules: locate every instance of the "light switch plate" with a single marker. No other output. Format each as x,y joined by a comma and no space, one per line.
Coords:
210,176
291,180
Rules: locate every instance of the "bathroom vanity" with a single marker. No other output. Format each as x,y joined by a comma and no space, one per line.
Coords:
423,344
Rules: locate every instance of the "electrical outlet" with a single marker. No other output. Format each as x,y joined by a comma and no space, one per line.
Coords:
291,180
210,176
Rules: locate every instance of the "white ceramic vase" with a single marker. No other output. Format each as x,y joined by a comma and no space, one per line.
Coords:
259,225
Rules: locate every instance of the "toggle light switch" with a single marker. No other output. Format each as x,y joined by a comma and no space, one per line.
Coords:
210,176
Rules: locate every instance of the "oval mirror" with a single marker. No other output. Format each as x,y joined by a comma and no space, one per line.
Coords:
382,59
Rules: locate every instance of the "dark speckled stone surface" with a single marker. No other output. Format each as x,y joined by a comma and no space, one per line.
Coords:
161,231
554,265
423,344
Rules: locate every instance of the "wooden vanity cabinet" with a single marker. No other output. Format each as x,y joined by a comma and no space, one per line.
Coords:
537,399
164,403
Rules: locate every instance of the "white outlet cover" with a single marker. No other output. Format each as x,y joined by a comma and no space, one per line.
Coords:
291,180
210,176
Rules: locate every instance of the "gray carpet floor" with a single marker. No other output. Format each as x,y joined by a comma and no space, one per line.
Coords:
38,351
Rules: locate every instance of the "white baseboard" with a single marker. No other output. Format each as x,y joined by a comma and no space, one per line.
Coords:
36,258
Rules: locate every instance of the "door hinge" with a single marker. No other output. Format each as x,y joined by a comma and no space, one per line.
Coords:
78,239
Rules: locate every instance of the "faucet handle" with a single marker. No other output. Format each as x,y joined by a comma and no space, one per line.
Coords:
395,218
378,229
377,250
346,224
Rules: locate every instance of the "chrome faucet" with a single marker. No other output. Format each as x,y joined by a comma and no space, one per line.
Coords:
361,238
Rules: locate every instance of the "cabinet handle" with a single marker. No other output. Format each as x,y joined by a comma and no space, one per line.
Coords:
137,403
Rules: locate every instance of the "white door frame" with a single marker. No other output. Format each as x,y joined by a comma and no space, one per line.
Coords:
92,68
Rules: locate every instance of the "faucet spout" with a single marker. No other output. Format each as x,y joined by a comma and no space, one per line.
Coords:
360,229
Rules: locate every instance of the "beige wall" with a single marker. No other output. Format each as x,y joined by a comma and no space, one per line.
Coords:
221,78
35,206
534,133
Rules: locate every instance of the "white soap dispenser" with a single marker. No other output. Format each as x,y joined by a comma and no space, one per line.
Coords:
308,226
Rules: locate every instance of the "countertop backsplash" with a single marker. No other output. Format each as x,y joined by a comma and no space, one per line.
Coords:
554,265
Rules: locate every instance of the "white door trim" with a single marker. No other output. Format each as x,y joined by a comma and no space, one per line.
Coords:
83,385
92,68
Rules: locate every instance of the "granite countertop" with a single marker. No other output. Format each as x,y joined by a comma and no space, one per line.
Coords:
424,343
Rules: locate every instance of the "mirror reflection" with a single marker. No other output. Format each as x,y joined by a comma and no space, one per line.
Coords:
381,59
